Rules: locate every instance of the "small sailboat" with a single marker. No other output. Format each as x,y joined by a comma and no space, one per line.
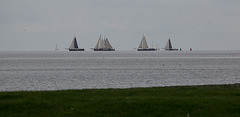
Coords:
103,45
168,46
56,48
74,46
143,46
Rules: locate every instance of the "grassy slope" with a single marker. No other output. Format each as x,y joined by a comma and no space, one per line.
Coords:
223,100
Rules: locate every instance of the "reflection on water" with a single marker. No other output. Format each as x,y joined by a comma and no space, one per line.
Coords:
119,69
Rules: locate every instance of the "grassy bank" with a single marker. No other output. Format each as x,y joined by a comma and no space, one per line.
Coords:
193,101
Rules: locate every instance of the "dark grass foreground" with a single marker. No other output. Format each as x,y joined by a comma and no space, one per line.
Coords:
183,101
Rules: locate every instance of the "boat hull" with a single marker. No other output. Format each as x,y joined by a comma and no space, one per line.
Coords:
104,49
148,49
171,49
76,49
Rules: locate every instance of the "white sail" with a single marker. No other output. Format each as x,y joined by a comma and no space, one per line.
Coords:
101,44
97,44
167,45
140,45
107,44
145,46
74,44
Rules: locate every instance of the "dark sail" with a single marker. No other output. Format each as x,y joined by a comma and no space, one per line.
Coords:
75,43
170,44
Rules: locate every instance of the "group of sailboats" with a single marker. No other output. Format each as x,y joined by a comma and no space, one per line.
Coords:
103,44
143,46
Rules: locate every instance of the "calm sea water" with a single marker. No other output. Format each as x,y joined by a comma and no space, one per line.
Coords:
119,69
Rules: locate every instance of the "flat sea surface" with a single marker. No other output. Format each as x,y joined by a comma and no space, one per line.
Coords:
120,69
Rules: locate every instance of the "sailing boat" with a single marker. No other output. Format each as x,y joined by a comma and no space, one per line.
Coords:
74,46
56,48
168,46
143,46
103,45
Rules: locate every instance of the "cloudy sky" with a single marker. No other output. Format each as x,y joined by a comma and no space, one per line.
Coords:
41,24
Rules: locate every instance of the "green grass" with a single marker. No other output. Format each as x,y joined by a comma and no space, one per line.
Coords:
195,101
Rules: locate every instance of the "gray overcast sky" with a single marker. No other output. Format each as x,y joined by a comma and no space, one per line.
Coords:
197,24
